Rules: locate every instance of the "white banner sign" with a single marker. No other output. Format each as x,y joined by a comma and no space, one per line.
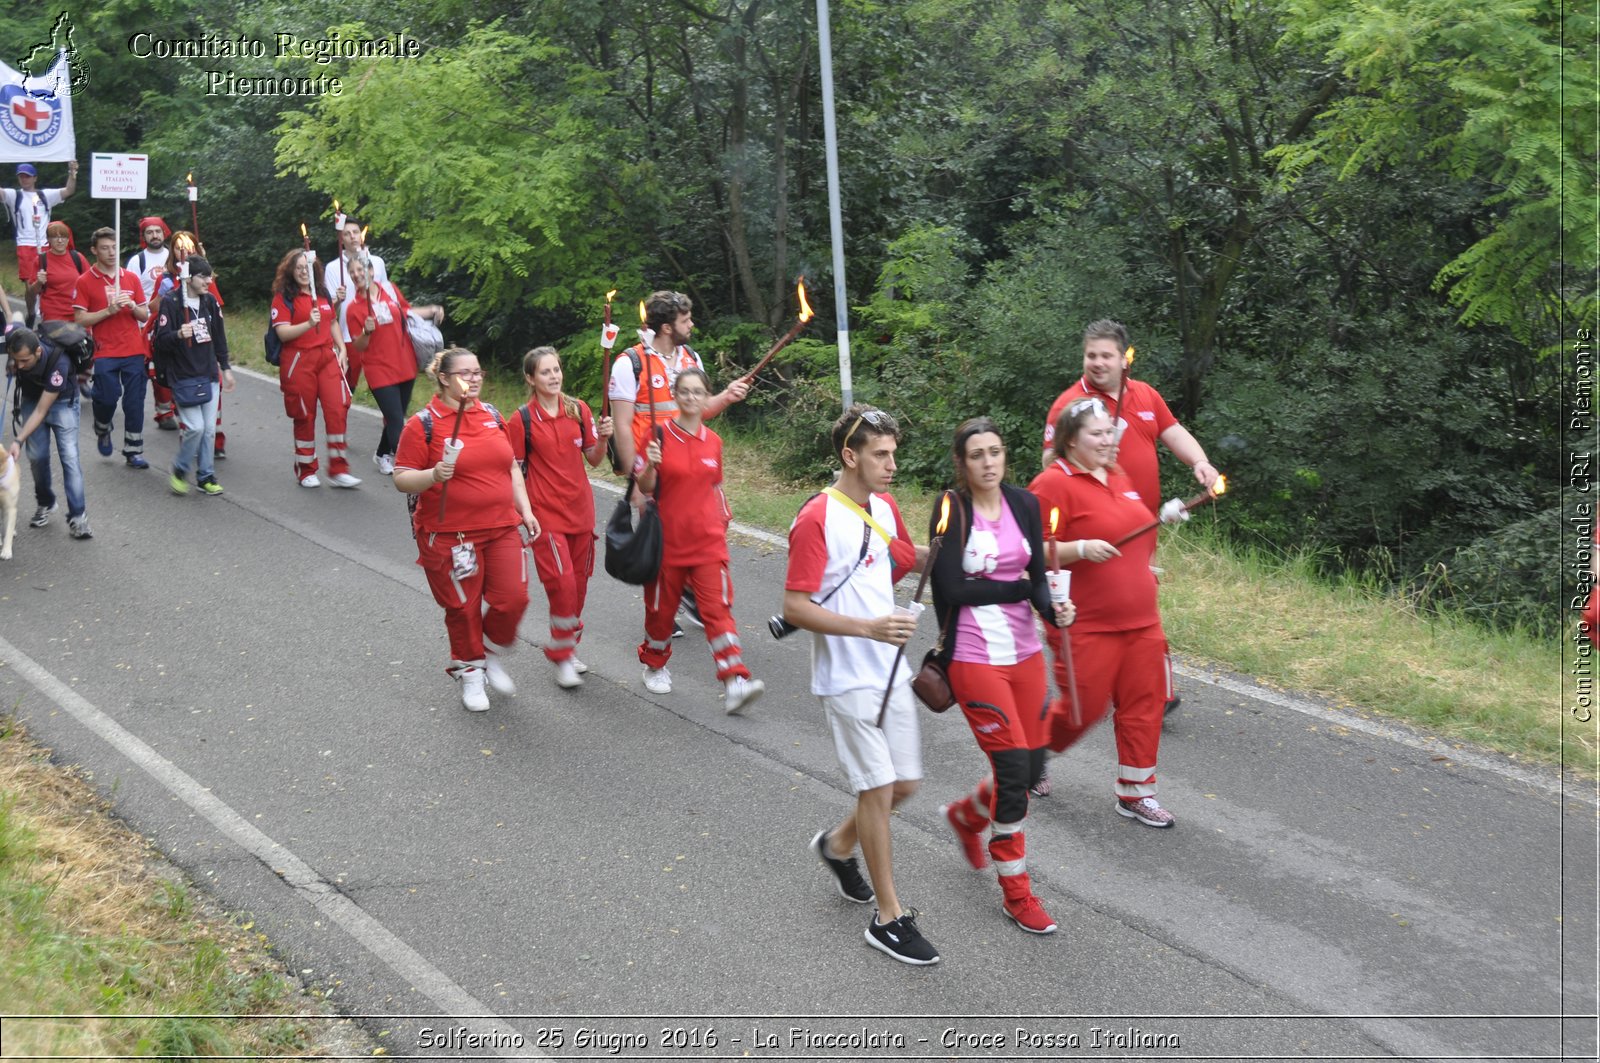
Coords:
118,176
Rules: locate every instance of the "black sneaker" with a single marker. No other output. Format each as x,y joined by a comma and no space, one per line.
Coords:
677,630
852,887
1171,706
41,516
901,939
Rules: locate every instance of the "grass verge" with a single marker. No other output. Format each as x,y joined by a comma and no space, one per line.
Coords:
96,925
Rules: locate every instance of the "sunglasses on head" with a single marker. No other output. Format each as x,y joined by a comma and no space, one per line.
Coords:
876,418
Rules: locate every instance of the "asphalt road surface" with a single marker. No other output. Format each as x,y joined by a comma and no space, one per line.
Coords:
257,682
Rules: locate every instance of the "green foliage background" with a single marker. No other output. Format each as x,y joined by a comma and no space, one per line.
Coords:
1349,238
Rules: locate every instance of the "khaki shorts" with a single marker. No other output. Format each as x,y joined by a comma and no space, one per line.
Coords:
872,757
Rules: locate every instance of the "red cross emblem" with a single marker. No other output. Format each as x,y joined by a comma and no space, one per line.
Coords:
29,114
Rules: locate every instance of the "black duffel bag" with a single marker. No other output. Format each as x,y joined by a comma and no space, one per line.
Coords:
633,552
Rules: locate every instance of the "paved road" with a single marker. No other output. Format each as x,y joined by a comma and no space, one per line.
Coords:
256,682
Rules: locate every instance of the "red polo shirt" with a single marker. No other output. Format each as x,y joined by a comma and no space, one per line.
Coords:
1114,595
558,484
61,282
286,313
1145,415
389,358
121,335
480,491
694,512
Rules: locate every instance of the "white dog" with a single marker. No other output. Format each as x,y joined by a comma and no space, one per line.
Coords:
10,491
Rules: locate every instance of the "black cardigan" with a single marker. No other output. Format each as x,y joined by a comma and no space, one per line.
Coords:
952,588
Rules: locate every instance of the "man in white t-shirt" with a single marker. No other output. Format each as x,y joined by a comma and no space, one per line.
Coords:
148,264
336,276
847,547
28,207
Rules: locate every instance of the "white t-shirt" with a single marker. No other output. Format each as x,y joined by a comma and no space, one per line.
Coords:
155,264
825,553
332,277
29,234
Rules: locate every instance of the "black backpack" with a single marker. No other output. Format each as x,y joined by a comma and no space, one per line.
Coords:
272,346
72,340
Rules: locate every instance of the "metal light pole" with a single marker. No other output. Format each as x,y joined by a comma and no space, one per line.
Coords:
835,223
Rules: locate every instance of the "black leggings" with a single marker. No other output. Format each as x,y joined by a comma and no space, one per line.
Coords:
392,400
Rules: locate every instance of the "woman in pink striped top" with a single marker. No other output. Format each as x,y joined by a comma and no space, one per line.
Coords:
991,574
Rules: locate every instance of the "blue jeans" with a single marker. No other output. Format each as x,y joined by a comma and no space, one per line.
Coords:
197,435
62,423
121,379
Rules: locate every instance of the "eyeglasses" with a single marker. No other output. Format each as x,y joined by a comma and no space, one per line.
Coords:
466,374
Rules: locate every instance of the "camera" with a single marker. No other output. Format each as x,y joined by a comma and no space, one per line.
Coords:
780,628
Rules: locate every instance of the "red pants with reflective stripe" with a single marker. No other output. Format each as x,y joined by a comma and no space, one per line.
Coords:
1127,670
713,594
307,379
565,561
487,604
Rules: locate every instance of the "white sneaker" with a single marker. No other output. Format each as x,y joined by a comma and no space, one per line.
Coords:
498,678
385,463
578,666
567,675
473,697
310,480
344,479
658,680
742,693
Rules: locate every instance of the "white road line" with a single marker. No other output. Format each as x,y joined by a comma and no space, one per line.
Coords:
402,959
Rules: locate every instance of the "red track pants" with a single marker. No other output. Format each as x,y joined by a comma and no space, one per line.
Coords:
307,379
487,604
565,561
1125,669
713,593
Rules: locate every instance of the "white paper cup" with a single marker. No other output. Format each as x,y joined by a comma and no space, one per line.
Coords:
1060,586
452,450
911,609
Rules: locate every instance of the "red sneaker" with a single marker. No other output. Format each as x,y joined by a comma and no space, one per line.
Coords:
1030,915
972,846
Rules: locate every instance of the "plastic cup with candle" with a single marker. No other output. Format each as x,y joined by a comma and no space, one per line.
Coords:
1060,586
452,451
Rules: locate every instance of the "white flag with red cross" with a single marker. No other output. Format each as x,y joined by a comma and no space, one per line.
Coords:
36,115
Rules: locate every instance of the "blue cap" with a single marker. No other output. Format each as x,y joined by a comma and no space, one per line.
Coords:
27,168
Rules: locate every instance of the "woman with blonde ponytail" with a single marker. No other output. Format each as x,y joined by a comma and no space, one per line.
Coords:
552,436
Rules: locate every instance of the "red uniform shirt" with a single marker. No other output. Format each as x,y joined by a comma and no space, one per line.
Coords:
480,492
389,357
61,279
316,339
694,513
1114,595
121,335
1144,415
558,485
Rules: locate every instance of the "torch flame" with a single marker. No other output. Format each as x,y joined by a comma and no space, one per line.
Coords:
364,229
1055,518
1127,359
302,230
183,243
806,313
190,178
1220,487
610,295
944,515
641,311
336,206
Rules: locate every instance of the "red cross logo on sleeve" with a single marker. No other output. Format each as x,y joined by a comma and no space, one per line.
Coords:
29,114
